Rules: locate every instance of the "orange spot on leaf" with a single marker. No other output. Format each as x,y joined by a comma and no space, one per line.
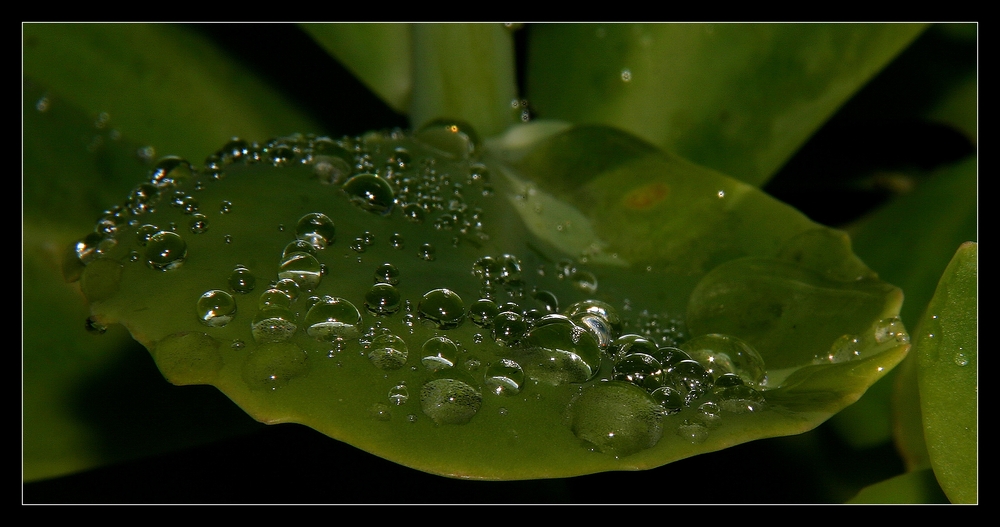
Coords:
646,196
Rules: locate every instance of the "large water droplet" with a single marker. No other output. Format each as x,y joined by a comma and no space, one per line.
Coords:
333,319
616,418
557,351
272,365
453,138
370,192
443,307
721,354
241,280
188,358
388,352
382,299
216,308
450,401
439,353
275,324
316,229
165,250
303,268
504,377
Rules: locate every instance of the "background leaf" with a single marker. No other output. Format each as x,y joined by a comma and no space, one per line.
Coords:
739,98
946,345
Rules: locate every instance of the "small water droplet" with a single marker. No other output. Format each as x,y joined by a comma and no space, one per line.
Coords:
382,299
961,359
399,394
316,229
427,252
388,352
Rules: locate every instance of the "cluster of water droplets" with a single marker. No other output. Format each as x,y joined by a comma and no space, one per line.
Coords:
511,322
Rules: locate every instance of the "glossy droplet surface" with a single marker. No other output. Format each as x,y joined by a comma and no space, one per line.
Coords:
504,377
241,280
333,319
443,307
720,354
439,353
450,401
382,300
557,351
370,192
165,250
388,352
302,268
316,229
616,418
273,365
216,308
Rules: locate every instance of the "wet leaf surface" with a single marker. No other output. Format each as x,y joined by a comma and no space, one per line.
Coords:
408,362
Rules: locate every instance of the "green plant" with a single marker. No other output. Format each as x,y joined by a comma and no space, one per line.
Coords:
745,132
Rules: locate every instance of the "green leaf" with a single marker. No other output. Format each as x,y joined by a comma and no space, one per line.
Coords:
652,246
380,55
946,348
912,487
73,416
161,85
464,72
739,98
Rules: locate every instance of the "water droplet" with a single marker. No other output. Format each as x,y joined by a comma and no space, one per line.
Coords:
639,369
557,351
414,212
380,412
170,172
504,377
443,307
273,298
226,207
316,229
720,354
597,317
100,279
439,353
732,395
584,281
387,273
399,394
275,324
370,192
273,365
165,251
626,75
427,252
891,329
396,241
241,280
961,359
188,358
669,398
388,352
450,401
216,308
509,328
303,269
333,319
452,138
616,418
695,433
483,311
382,299
690,377
199,224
